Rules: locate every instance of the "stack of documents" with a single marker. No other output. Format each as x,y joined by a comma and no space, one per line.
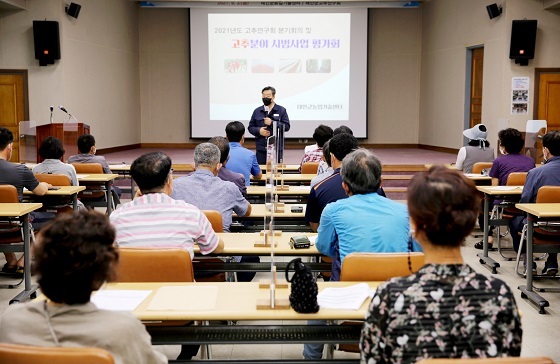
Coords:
346,298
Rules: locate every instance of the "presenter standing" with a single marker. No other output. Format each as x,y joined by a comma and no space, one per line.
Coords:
261,124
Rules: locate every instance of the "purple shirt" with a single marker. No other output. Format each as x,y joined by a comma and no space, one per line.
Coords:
506,164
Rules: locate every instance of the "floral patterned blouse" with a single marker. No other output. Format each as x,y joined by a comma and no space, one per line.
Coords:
442,311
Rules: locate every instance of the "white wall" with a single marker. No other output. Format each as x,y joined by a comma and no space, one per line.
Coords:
96,78
449,28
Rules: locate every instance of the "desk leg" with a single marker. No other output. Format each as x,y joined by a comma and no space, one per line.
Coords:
484,258
109,197
527,291
29,291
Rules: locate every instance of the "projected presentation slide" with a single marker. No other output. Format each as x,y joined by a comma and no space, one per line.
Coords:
309,58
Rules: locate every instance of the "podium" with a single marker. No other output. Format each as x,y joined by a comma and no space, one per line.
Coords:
67,132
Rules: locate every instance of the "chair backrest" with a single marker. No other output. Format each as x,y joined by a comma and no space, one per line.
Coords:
22,354
8,194
309,168
154,265
215,219
548,194
479,166
53,179
516,179
93,168
535,360
379,266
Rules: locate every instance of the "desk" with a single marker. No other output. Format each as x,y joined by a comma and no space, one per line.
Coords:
124,171
286,221
288,168
105,179
479,179
293,178
296,192
491,192
62,191
22,210
535,212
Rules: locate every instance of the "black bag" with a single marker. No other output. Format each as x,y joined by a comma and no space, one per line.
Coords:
303,297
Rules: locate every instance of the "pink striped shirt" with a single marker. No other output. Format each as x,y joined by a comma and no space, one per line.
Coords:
156,220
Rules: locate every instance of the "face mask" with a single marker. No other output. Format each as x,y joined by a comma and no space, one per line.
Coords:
266,101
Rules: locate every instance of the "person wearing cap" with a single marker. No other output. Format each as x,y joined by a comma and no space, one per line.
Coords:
477,150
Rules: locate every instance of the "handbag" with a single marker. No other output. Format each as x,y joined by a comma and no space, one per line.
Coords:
304,290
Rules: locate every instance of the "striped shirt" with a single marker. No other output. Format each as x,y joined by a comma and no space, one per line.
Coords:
156,220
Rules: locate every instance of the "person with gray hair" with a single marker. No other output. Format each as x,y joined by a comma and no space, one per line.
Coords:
205,190
363,222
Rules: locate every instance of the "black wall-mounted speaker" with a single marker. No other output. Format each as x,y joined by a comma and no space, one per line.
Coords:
73,10
494,11
46,39
523,37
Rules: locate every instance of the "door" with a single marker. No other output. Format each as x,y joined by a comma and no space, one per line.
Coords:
477,62
547,97
13,103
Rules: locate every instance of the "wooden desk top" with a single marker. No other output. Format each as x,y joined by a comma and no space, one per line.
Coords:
62,191
478,177
540,209
287,167
243,243
100,177
120,167
237,301
259,210
293,191
18,209
501,190
288,177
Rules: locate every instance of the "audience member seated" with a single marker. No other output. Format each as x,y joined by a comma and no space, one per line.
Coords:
510,143
546,175
327,171
206,191
19,176
75,256
52,151
342,129
241,160
321,135
224,173
87,149
154,219
363,222
330,189
477,150
446,309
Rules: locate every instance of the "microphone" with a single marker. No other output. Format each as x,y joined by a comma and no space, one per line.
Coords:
63,109
52,108
69,115
266,111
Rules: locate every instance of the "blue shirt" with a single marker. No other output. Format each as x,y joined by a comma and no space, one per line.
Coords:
208,192
362,223
547,175
244,161
325,192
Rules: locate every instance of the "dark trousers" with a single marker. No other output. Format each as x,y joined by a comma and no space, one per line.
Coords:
247,276
515,228
261,157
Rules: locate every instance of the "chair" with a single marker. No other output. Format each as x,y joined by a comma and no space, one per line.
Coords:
309,168
154,265
23,354
536,360
11,229
215,219
57,204
546,234
95,194
479,166
364,267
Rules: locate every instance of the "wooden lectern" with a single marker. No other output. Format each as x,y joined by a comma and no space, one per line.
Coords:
70,140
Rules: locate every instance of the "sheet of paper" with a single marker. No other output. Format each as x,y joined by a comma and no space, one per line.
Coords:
119,300
184,298
506,188
474,175
78,176
346,298
312,238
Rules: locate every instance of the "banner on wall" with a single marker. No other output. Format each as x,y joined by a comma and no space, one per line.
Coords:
519,95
